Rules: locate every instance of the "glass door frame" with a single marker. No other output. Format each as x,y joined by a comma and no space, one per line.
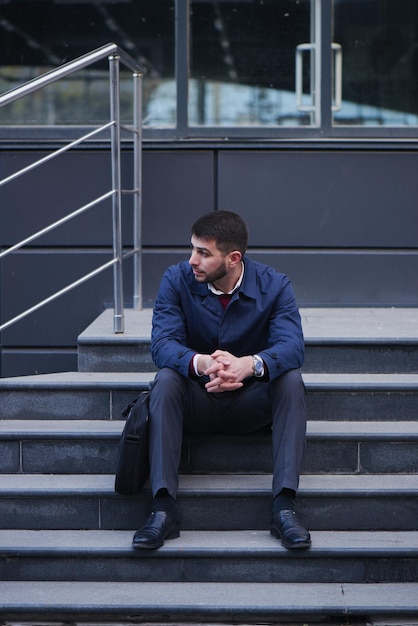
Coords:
322,60
241,132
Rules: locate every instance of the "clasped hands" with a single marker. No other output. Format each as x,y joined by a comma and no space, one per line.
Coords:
226,371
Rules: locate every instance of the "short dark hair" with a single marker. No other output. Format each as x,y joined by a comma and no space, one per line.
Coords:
227,228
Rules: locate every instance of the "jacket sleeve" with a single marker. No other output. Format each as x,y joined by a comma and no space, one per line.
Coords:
168,336
286,342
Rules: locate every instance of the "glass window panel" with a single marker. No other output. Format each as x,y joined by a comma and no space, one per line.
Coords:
379,40
38,35
243,62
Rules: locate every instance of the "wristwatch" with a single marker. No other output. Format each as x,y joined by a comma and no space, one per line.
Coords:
258,366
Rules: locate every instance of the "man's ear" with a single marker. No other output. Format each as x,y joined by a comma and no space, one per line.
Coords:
234,258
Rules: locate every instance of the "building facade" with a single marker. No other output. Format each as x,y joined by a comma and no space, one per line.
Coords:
301,115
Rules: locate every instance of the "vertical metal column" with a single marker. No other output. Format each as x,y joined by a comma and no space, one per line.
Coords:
316,62
137,141
118,316
182,34
325,11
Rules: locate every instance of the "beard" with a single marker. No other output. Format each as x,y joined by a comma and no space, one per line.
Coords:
217,274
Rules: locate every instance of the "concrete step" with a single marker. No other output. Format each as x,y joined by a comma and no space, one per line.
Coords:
90,446
173,602
362,396
70,395
208,556
343,340
379,340
62,525
102,395
209,502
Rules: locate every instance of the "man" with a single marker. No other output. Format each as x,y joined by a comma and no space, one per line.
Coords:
228,342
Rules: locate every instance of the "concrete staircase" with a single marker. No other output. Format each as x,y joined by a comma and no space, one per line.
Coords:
65,536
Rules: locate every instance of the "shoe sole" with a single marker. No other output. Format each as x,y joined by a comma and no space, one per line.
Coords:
274,531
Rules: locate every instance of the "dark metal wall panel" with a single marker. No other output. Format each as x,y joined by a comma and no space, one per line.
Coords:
323,199
29,277
46,341
26,362
154,265
363,279
51,191
178,187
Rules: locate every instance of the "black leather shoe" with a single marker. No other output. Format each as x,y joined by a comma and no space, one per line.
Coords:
286,526
160,525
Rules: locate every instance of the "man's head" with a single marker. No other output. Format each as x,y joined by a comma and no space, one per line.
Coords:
219,241
227,228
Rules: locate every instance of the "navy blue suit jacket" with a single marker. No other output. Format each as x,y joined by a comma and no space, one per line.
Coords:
262,318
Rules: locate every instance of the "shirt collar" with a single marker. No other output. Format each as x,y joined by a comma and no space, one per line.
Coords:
217,292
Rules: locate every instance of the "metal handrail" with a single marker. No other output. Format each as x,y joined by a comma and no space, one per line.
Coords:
115,56
70,68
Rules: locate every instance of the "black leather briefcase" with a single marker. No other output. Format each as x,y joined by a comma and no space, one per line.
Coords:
132,470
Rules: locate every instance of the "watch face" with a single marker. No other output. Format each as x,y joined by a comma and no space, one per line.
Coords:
258,368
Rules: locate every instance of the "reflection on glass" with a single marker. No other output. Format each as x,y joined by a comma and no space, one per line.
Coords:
243,62
38,35
379,40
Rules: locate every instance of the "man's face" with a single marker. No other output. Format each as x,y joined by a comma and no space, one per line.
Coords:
207,262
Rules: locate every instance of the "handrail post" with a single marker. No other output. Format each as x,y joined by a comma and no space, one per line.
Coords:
137,145
118,316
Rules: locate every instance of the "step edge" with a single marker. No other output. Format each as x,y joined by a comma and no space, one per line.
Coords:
207,544
210,485
209,599
141,380
15,429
